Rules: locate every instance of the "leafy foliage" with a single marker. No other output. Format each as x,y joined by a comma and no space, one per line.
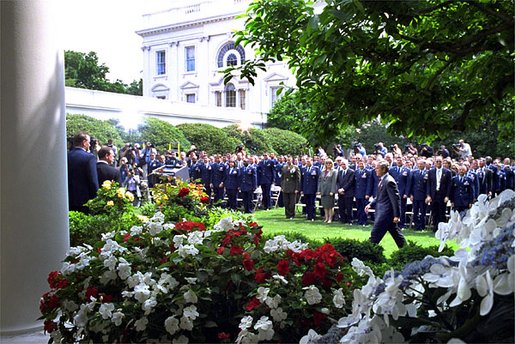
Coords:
83,70
363,250
98,129
414,252
254,140
208,138
161,134
285,142
426,66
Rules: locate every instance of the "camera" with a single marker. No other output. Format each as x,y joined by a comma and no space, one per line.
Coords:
392,147
377,147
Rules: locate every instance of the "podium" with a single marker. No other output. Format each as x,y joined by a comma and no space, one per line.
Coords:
179,172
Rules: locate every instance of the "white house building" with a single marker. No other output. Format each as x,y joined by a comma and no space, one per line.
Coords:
187,47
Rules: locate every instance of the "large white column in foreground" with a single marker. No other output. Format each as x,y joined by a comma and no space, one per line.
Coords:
34,206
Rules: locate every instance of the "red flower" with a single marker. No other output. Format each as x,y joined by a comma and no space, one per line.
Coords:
224,336
220,250
260,276
183,192
257,237
106,298
205,200
308,278
339,276
126,237
283,267
236,250
49,326
318,318
253,303
320,270
91,292
190,226
49,301
248,264
253,224
56,280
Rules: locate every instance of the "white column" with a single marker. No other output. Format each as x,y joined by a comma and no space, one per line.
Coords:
34,205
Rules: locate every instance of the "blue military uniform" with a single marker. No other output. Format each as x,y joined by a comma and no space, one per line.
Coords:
206,177
248,183
475,182
402,176
461,194
363,179
309,187
218,177
418,192
195,172
231,183
265,178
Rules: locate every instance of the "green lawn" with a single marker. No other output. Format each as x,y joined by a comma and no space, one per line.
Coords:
274,222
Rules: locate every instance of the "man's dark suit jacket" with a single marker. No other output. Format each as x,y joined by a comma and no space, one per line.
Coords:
445,183
347,182
82,178
106,172
388,200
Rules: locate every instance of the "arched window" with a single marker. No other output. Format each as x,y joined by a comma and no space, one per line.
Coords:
232,60
230,95
226,48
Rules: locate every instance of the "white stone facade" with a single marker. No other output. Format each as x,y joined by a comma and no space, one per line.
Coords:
185,49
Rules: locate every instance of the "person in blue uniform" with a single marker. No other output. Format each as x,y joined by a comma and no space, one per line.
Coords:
345,185
495,177
194,168
510,175
418,193
485,177
218,179
402,176
290,185
152,165
363,178
309,187
206,175
438,191
247,184
279,163
462,194
232,175
266,177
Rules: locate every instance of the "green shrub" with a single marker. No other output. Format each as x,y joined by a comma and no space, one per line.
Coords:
97,129
255,140
413,252
363,250
292,236
208,138
285,142
162,134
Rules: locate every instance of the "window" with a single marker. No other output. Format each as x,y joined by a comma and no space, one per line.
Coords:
190,59
190,98
232,60
274,97
230,95
161,62
218,98
241,94
161,97
227,47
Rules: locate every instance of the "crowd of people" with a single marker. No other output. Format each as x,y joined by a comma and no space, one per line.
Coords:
345,187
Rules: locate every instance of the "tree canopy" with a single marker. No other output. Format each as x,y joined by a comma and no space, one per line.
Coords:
426,67
83,70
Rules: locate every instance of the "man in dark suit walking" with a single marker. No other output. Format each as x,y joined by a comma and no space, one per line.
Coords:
104,169
82,174
438,191
387,205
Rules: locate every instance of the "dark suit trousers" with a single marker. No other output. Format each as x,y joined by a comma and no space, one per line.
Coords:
360,207
310,205
438,211
419,214
247,200
232,198
381,226
345,209
267,195
218,194
403,212
289,199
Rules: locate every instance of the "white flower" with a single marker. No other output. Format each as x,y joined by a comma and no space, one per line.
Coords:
390,335
69,306
172,325
361,268
190,312
110,263
166,281
196,238
312,295
265,329
463,293
504,283
106,310
111,247
484,286
187,250
108,276
440,276
280,278
311,337
338,298
108,235
278,314
141,324
246,337
273,302
81,318
148,305
124,269
246,322
158,217
186,323
141,292
136,230
117,318
224,224
262,294
154,228
190,296
178,240
191,280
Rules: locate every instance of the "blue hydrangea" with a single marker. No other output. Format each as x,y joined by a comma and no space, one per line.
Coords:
495,253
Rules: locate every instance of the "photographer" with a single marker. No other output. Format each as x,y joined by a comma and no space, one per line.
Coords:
443,151
462,149
379,148
425,150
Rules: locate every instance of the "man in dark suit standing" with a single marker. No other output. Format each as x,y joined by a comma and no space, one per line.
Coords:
104,169
346,185
265,176
309,187
388,204
82,174
438,191
290,185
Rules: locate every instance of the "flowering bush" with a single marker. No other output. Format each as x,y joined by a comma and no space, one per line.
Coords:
110,199
469,296
187,282
177,199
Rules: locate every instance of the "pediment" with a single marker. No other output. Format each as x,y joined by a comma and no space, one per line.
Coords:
160,88
188,85
275,77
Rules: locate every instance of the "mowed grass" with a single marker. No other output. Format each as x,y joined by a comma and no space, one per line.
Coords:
274,222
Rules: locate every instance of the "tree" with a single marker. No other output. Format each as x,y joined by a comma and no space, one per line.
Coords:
85,71
254,140
97,129
208,138
285,142
425,66
290,112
